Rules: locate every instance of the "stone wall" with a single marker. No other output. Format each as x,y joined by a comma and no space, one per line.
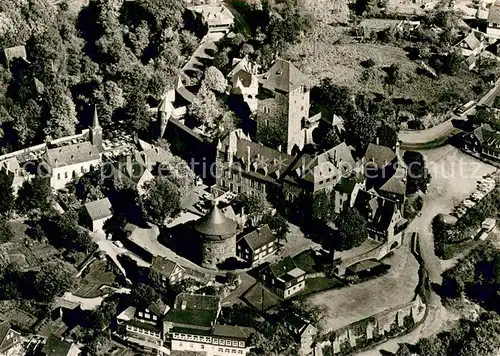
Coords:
377,327
214,252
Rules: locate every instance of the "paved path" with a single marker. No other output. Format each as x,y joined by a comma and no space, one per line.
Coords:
448,187
428,135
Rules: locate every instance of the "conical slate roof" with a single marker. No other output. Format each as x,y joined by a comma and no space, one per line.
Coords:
216,223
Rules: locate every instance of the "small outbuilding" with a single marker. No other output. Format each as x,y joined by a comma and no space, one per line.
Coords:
96,213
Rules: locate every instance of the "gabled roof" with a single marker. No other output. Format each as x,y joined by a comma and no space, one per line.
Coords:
56,347
159,308
296,321
244,77
283,76
216,223
472,41
380,155
259,237
284,267
233,332
377,210
194,309
71,154
397,183
330,164
164,266
99,209
494,14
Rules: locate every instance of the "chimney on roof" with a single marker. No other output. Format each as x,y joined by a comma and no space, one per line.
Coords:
247,165
378,141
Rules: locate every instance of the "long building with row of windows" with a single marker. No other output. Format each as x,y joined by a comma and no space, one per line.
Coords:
190,325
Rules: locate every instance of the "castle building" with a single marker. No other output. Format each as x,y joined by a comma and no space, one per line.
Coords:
217,238
285,87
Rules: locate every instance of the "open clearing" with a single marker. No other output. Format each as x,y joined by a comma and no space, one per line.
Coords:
353,303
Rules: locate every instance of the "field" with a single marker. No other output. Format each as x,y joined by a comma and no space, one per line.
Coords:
24,251
359,301
95,276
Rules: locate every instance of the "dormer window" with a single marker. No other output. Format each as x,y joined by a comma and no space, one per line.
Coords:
279,72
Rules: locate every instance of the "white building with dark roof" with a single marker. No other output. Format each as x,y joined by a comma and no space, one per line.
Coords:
97,213
65,162
256,245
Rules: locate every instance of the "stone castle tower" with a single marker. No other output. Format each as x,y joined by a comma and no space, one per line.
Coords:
290,88
95,132
217,238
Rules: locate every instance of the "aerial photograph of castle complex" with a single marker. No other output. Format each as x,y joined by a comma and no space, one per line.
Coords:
249,177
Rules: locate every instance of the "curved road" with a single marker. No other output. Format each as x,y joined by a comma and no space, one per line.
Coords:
444,192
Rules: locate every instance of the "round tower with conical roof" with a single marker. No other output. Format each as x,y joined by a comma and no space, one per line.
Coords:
217,238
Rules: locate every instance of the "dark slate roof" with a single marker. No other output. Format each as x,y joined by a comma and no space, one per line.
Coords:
159,308
71,154
397,183
203,318
259,237
217,224
380,155
197,301
234,332
283,76
375,208
56,347
364,265
163,265
296,321
244,77
488,137
261,156
99,209
282,267
346,185
472,41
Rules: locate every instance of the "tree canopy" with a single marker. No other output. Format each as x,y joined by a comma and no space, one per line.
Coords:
352,229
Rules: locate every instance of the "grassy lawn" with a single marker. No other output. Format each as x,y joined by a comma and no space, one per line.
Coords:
97,274
261,298
305,261
319,284
453,250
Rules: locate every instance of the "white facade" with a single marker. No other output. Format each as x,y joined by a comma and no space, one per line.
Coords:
63,175
213,346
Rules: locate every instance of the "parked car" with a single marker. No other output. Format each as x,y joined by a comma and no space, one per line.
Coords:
468,203
118,244
477,196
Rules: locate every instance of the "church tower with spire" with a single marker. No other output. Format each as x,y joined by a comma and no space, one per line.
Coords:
95,132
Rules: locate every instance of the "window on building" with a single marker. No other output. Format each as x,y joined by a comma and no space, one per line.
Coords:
233,351
155,317
65,174
242,344
228,342
58,176
202,346
180,343
235,343
82,169
141,314
220,349
228,350
240,352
